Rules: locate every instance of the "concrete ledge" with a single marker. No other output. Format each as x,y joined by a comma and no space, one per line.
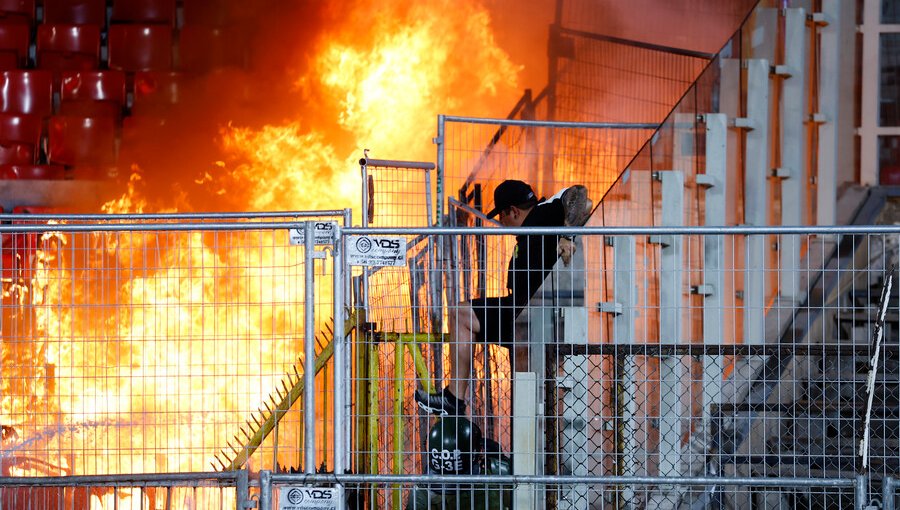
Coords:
80,196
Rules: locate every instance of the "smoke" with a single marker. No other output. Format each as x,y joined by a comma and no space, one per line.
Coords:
522,28
176,148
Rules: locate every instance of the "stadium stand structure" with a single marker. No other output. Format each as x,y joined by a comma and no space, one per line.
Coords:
801,412
101,58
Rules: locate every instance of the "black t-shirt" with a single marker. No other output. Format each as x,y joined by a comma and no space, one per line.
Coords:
534,255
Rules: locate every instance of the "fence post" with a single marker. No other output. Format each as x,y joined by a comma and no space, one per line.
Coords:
340,378
265,490
887,493
525,437
309,352
242,490
623,333
347,277
861,491
439,171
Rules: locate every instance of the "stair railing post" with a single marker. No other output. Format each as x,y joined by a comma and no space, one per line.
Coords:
672,369
792,171
756,190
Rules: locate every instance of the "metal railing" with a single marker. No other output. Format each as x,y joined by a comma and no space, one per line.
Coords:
212,490
158,343
472,492
642,398
627,398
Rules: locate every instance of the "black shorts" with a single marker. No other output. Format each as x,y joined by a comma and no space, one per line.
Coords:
497,317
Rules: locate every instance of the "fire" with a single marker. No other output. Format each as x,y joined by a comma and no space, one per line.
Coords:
299,171
130,201
144,367
390,91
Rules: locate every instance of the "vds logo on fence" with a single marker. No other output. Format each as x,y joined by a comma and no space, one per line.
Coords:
308,498
376,251
323,233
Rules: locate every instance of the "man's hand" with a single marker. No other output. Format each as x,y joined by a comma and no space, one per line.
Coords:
566,248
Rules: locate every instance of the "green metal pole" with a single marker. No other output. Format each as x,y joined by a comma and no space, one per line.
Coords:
399,373
372,418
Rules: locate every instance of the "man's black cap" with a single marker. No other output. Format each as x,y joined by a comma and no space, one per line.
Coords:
510,193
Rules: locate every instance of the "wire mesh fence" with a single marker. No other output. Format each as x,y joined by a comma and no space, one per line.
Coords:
621,392
195,490
154,344
707,21
478,154
507,491
151,345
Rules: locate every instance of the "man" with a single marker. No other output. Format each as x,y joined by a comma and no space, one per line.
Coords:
492,319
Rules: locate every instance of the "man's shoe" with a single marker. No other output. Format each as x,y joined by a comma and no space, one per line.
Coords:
577,206
441,404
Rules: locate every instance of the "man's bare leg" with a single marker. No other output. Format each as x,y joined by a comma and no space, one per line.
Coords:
463,327
451,400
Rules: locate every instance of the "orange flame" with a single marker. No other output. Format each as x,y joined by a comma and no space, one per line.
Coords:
122,317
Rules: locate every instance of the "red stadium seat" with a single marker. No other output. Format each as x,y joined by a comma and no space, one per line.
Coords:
35,209
75,12
15,39
18,252
67,47
16,153
211,13
21,11
92,93
82,141
42,172
20,138
202,48
157,92
140,47
143,11
26,91
9,61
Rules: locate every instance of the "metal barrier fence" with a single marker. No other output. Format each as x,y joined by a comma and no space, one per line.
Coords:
640,372
165,343
611,93
475,155
149,348
470,492
211,491
709,157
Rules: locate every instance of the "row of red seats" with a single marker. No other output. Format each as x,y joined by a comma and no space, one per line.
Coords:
72,140
40,141
97,92
131,48
69,112
17,250
94,12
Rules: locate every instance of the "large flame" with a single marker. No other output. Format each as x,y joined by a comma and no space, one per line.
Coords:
120,318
